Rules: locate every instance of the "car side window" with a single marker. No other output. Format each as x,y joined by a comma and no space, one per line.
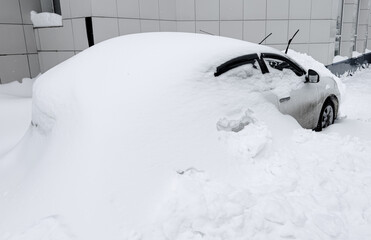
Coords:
244,71
278,64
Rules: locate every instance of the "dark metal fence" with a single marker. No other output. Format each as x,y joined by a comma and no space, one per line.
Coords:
349,66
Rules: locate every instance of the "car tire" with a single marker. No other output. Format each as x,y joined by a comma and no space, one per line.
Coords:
326,117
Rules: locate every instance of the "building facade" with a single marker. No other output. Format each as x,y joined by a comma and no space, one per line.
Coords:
327,27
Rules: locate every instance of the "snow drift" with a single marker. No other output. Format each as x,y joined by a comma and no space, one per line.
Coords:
135,138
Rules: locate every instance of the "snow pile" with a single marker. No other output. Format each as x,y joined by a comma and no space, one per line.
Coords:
46,19
15,106
20,89
135,138
339,58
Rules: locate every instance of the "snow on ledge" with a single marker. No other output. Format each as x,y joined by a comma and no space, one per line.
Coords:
46,19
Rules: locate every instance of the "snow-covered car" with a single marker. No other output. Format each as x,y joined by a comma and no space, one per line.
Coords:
118,128
313,104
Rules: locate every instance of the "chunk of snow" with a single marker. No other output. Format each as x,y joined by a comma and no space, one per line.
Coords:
46,19
339,58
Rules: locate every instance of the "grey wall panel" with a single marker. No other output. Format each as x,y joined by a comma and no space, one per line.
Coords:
13,68
186,26
106,8
168,26
279,30
149,25
80,8
27,6
254,31
149,9
12,40
57,38
129,26
167,9
231,10
300,9
185,10
255,9
277,9
207,10
30,39
33,60
105,28
10,12
211,27
128,8
50,59
80,38
232,29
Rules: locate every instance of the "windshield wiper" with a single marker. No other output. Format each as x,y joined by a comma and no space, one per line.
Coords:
265,38
288,44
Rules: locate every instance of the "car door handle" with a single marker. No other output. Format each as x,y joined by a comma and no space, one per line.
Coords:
284,99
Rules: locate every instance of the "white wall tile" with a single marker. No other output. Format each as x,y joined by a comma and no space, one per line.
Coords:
346,49
255,9
348,31
106,8
231,9
168,26
167,9
208,26
57,38
185,9
349,10
304,30
80,8
33,60
207,10
320,53
128,8
232,29
302,48
360,47
30,38
65,8
254,31
129,26
363,17
50,59
27,6
300,9
104,28
321,9
279,30
12,39
320,31
13,68
149,9
365,4
150,25
79,34
10,12
186,26
362,32
277,9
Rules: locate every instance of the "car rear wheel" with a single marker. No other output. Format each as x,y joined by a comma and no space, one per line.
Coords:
327,116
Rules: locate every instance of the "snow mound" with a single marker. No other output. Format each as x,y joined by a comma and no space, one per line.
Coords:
124,144
46,19
19,89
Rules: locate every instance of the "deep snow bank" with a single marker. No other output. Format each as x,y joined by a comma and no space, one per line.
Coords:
132,143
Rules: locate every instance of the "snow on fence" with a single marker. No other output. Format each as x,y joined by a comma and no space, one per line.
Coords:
349,66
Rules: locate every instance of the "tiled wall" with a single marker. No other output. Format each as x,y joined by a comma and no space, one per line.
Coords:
18,52
248,20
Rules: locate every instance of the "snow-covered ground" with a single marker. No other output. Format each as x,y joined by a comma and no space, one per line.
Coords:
73,177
